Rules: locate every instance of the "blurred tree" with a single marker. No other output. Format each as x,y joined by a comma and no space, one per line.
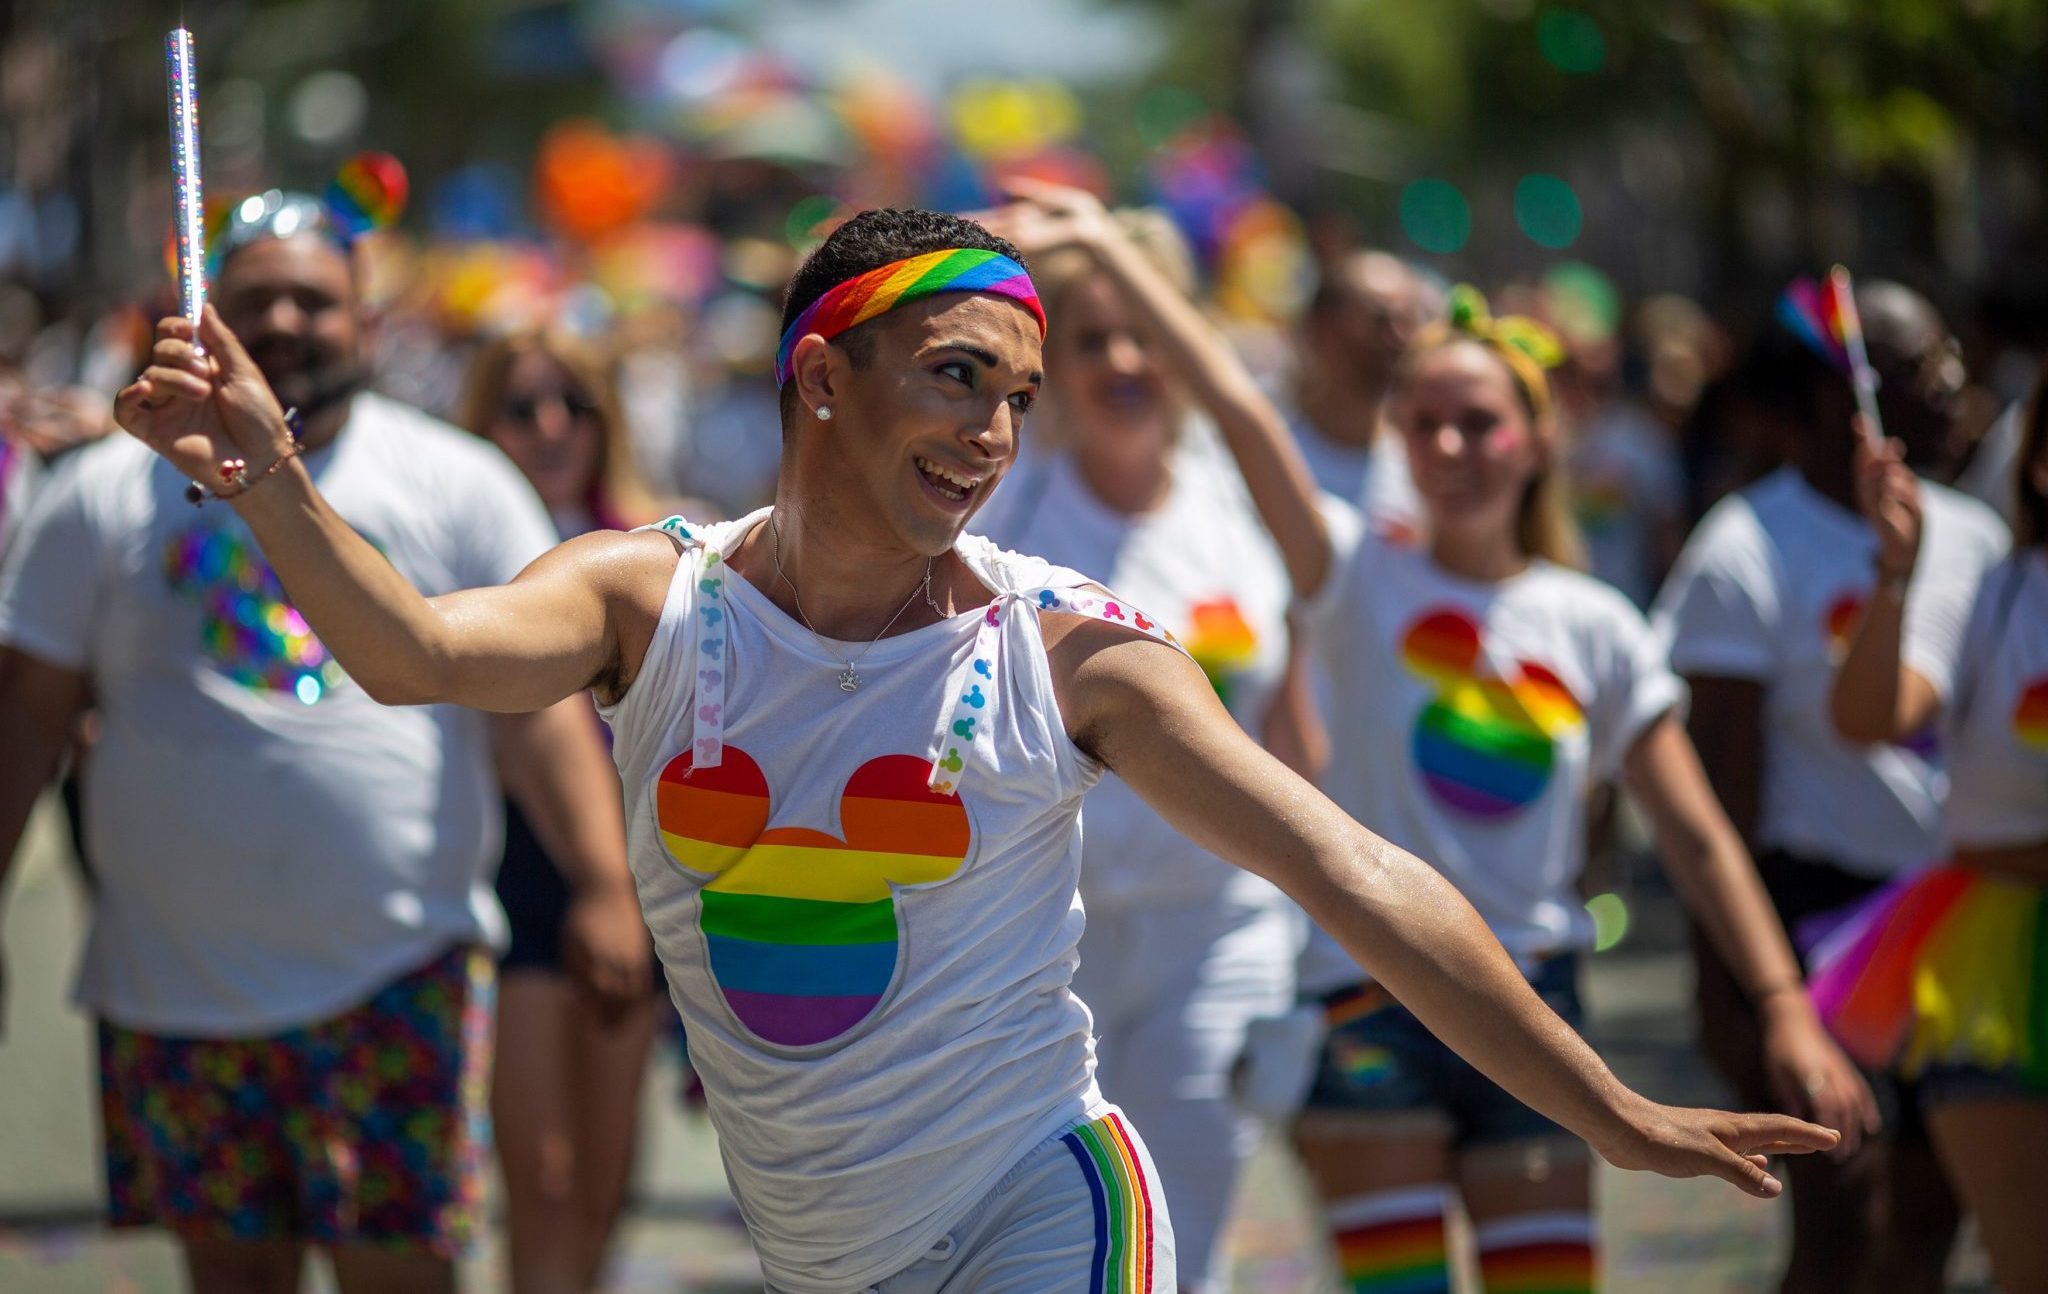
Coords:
1772,132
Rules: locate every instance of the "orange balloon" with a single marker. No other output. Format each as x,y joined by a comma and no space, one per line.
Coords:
589,182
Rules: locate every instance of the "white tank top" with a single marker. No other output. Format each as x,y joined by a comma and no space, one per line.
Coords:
865,902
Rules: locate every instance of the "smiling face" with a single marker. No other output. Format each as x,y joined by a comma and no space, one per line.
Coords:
1111,389
292,301
929,419
550,427
1473,448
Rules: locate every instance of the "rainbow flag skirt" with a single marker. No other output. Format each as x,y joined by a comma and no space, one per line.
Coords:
1943,968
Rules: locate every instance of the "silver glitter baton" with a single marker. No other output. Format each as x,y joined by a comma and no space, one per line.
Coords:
181,82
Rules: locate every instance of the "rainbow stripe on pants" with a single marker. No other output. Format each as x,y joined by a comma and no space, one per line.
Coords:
1114,1169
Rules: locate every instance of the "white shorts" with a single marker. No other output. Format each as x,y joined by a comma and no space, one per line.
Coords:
1173,989
1081,1213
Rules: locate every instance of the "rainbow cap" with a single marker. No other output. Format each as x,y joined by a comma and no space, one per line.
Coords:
878,291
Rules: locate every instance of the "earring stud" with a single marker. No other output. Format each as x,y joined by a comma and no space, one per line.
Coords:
824,413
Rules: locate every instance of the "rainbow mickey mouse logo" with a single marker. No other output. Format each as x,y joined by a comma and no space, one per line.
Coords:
1221,642
1485,744
802,927
250,630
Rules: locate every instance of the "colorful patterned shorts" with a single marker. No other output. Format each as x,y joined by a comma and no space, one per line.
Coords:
367,1128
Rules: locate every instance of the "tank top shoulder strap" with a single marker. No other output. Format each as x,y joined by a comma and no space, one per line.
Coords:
977,691
706,544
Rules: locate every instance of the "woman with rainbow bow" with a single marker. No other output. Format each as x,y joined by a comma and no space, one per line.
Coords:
1943,975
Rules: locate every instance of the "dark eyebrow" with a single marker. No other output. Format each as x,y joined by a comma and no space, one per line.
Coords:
986,357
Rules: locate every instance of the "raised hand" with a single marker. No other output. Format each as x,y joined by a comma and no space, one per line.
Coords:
1889,495
1042,217
1679,1142
199,409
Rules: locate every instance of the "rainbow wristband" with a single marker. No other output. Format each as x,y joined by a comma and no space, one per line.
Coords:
864,296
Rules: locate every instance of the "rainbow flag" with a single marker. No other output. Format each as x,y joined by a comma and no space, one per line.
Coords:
1823,315
1814,313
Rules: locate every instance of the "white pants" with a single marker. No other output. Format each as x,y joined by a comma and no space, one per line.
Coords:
1081,1213
1173,989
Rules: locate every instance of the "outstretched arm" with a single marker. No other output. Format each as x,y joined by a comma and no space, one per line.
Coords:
579,615
1052,215
1877,697
1712,869
1146,711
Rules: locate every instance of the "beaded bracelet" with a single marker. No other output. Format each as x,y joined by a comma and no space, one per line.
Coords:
235,471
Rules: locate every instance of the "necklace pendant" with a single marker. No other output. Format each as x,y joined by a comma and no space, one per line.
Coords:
848,680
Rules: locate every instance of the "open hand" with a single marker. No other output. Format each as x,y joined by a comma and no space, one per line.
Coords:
1678,1142
1889,495
198,409
605,945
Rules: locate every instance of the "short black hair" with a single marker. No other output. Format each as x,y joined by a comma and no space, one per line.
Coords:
872,239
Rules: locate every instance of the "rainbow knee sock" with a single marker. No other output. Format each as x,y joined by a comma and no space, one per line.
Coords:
1392,1242
1537,1253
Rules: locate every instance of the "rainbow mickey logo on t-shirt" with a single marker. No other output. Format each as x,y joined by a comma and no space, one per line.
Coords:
2030,715
1221,642
255,636
801,926
1485,744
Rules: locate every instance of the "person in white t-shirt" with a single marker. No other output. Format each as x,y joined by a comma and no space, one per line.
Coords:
289,952
1183,953
1970,937
1482,689
1756,614
1366,307
855,746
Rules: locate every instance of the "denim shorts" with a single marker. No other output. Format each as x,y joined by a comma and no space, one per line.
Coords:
1378,1058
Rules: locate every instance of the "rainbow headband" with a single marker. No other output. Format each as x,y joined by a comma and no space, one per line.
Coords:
864,296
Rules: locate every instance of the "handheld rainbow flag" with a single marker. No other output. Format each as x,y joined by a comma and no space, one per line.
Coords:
1824,316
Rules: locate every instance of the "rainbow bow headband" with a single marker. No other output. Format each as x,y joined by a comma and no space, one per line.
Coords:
1527,347
878,291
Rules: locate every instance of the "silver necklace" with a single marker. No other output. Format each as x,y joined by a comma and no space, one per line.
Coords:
849,678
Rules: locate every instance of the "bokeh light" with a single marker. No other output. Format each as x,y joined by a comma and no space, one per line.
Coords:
805,218
1164,111
1610,920
1547,210
1435,215
1571,41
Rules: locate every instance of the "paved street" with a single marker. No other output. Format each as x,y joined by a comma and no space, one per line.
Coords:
1662,1236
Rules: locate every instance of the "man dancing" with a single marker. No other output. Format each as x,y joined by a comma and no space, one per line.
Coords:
854,746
